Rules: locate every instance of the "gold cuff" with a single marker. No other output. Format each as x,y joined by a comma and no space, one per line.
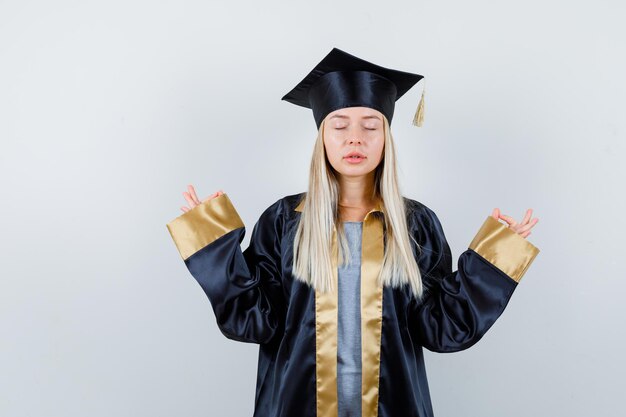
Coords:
504,248
203,224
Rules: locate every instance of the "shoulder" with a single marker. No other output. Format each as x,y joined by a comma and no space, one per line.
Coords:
421,218
290,202
286,206
282,208
425,227
417,210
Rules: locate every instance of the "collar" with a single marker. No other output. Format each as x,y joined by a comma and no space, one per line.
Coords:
379,207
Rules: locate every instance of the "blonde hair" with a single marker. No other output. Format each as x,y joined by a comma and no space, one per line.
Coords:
312,261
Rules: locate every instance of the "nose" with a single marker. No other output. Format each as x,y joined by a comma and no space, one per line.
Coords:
353,141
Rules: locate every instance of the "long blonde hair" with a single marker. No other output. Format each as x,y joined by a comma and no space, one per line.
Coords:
312,261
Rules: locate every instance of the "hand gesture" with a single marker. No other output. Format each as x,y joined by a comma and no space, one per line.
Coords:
522,228
193,200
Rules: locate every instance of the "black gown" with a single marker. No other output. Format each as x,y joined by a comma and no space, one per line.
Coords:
256,299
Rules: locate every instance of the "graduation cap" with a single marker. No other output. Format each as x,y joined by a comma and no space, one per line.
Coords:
344,80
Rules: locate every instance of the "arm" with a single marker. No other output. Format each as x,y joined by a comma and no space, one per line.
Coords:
458,307
244,288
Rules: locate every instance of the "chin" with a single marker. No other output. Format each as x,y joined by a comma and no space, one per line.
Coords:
355,171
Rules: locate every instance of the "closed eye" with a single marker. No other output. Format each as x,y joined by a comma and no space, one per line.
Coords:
367,128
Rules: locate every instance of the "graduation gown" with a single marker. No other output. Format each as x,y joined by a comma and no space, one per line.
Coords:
256,300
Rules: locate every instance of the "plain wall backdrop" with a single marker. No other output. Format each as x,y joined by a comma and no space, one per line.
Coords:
108,109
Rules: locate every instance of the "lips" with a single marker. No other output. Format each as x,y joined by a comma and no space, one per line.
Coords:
354,158
355,155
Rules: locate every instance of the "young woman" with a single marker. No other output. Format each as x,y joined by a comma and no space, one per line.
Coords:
343,285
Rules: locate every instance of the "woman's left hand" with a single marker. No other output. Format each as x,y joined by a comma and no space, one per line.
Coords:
522,228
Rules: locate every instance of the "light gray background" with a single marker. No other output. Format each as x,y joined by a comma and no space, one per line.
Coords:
109,109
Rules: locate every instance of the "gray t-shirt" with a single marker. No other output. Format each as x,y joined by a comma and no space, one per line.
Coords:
349,327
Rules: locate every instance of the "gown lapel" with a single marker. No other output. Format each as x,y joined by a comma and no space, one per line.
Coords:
371,323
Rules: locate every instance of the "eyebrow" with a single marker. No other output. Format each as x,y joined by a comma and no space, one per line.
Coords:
342,116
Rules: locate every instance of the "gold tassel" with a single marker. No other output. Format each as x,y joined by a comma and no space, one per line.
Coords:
418,119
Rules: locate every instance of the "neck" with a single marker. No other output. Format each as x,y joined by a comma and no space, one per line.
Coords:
357,192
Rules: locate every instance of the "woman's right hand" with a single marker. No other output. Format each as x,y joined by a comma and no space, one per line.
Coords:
192,198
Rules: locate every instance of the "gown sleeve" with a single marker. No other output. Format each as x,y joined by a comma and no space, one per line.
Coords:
458,307
244,288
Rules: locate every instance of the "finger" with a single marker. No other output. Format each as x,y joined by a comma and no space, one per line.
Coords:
210,197
527,216
510,220
526,227
185,209
495,213
502,217
192,192
190,200
532,223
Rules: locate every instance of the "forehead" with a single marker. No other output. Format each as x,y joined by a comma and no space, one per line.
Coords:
355,113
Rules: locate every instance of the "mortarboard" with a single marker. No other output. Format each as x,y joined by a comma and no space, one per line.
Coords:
344,80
